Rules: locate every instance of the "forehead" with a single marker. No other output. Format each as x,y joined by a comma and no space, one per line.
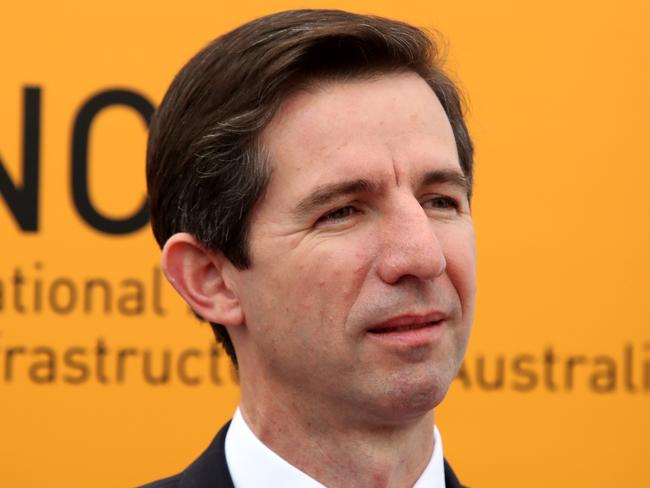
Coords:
356,128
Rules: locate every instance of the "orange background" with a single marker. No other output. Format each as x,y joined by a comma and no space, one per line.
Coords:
559,109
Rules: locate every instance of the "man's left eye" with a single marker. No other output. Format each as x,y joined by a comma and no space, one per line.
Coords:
441,202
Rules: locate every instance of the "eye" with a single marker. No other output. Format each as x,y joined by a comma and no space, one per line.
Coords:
441,203
337,215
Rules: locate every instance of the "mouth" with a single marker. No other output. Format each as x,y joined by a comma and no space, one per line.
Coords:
404,328
408,331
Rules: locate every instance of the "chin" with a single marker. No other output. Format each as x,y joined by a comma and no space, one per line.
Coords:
405,401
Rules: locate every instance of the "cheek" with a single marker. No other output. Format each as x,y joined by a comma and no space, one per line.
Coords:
460,254
341,271
314,285
324,281
333,280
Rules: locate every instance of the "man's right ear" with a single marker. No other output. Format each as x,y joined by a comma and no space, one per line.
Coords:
202,277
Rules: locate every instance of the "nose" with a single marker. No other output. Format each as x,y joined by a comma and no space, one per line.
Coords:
410,246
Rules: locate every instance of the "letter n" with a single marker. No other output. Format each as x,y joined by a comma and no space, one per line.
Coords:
23,200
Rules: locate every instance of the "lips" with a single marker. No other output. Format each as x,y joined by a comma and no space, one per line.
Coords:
408,322
403,328
408,333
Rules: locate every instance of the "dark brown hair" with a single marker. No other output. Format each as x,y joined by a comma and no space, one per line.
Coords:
205,167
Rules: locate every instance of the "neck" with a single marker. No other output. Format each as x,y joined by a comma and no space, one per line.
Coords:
333,448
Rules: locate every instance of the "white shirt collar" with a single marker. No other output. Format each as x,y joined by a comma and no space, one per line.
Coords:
253,465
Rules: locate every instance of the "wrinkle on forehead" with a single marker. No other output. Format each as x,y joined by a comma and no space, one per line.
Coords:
388,129
336,97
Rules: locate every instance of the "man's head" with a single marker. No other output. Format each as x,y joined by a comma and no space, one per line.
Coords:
319,169
205,166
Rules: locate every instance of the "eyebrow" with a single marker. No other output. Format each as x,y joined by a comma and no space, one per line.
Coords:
324,194
447,176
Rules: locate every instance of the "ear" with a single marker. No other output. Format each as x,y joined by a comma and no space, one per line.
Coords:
202,277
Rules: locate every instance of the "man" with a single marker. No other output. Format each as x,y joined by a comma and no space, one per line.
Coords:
310,177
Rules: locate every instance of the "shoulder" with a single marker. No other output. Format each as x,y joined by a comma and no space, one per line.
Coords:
209,469
171,482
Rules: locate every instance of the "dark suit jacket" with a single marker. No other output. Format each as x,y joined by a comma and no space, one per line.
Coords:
211,471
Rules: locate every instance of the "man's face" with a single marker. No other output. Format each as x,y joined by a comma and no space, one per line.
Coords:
362,284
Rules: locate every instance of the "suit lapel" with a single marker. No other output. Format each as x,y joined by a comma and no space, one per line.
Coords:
210,469
450,477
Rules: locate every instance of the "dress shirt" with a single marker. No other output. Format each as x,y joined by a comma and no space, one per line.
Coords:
253,465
